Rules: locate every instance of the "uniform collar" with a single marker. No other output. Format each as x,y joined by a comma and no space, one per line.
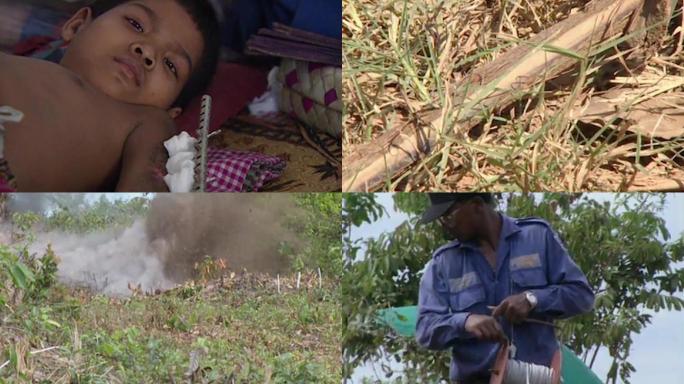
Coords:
508,226
452,244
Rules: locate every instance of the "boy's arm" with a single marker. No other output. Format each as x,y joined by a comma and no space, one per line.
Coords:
144,157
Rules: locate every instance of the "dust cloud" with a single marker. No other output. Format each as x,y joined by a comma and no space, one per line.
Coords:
159,251
244,230
108,261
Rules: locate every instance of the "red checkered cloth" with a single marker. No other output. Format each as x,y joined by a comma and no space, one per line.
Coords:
234,171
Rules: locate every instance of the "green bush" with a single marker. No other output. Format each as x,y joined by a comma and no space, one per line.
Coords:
96,216
321,229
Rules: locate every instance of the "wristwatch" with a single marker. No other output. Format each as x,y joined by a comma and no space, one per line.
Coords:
531,298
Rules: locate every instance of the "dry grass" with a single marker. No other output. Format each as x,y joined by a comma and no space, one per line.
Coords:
401,57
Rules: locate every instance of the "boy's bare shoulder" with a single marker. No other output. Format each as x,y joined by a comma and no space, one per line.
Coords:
4,57
23,70
152,126
144,155
154,119
10,64
10,61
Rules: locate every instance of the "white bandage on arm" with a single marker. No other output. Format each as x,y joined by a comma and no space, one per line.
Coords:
7,115
181,163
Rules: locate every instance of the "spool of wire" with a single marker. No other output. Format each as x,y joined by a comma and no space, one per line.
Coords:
520,372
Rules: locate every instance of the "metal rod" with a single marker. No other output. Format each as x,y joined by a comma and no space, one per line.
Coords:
529,320
204,124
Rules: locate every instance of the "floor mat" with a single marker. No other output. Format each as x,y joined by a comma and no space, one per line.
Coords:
313,159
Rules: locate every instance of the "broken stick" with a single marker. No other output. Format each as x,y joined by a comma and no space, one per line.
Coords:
497,84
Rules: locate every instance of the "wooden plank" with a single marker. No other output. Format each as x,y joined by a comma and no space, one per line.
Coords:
495,84
293,50
311,37
288,42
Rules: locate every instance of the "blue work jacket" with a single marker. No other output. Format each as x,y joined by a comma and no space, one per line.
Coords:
459,281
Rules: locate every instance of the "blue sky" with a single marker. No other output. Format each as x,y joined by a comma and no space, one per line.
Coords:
657,353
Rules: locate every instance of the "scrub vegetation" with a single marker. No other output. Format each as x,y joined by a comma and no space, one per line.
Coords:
219,326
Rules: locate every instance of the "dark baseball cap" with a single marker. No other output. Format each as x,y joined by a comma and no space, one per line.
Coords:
440,202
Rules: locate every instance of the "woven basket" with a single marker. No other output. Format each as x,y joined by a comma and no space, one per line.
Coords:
313,94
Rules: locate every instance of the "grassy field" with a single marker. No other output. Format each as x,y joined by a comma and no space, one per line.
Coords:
236,329
212,323
403,58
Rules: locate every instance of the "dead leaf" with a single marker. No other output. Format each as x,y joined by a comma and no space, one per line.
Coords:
659,116
195,363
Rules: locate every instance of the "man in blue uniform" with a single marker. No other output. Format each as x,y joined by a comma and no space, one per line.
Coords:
479,290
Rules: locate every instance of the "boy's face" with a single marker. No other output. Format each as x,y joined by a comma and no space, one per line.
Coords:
141,52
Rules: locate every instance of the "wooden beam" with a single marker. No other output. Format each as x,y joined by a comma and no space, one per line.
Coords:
496,84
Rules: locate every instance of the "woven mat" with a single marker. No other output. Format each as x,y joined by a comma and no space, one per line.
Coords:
307,168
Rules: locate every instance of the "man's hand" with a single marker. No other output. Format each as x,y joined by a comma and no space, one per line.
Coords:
485,328
515,308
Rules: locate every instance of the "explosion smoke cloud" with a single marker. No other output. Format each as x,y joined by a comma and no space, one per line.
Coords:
160,250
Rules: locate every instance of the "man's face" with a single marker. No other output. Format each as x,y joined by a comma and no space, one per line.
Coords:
461,220
142,52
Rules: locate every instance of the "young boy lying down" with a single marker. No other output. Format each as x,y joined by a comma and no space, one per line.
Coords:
97,120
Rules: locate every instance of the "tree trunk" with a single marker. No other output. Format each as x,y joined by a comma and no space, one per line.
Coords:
593,358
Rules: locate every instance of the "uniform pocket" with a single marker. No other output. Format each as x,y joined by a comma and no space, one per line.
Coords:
529,278
465,292
467,298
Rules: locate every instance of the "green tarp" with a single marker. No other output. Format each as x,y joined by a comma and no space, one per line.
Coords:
403,321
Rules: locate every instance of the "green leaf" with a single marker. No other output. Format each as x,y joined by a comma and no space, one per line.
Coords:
21,275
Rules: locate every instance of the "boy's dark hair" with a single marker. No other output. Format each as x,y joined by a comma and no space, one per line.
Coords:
202,13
